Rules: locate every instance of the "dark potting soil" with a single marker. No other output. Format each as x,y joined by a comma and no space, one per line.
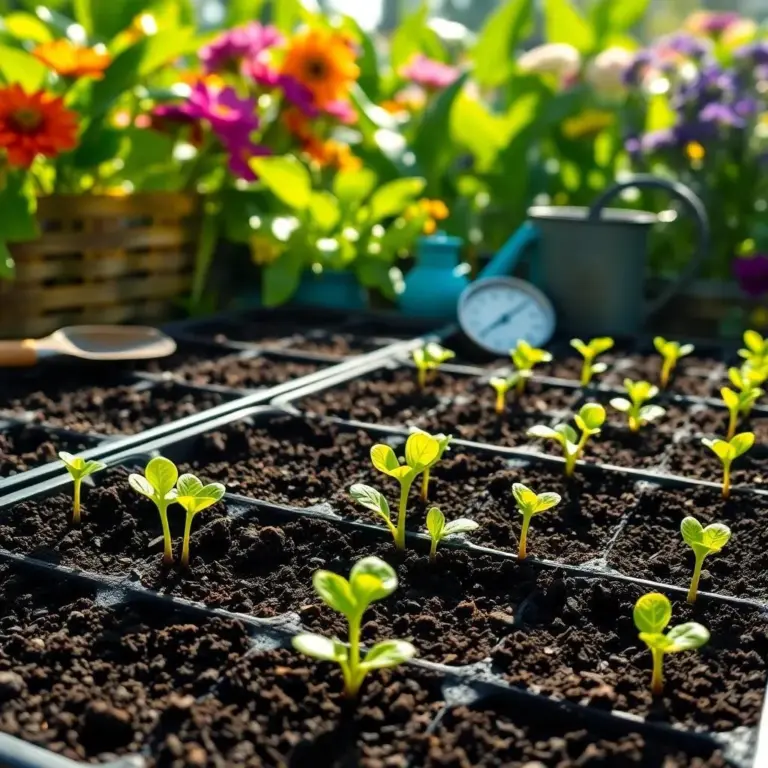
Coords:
124,409
269,333
26,447
693,375
334,344
691,458
578,641
499,736
650,545
93,682
713,422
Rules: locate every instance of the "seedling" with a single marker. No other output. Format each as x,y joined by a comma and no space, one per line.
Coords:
501,387
638,413
531,504
438,529
728,451
370,579
652,614
78,468
739,404
524,358
421,451
158,485
756,349
428,359
703,542
589,351
589,420
671,352
194,497
444,441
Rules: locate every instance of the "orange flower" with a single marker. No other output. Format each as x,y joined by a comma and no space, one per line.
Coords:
69,60
434,210
34,124
297,123
324,62
332,153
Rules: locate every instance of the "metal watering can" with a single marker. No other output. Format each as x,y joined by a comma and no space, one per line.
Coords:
591,262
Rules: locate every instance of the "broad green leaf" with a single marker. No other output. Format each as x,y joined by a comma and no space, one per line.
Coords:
754,342
740,444
730,398
566,434
162,474
593,415
546,501
656,640
613,18
544,432
421,450
242,11
652,613
498,41
736,378
581,347
659,113
286,177
281,278
686,349
383,458
367,59
660,343
692,530
460,525
371,499
319,647
103,20
392,198
335,591
526,498
70,460
564,24
388,653
93,466
715,536
353,187
414,36
97,145
324,210
7,264
651,412
372,579
141,485
601,344
18,66
687,637
25,26
721,449
620,404
475,128
435,523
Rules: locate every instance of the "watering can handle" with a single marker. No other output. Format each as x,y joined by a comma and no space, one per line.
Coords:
693,205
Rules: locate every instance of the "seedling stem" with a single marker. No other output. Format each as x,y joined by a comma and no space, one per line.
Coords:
696,576
657,676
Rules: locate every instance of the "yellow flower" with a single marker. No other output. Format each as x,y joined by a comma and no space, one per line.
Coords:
264,250
695,151
434,210
332,153
587,124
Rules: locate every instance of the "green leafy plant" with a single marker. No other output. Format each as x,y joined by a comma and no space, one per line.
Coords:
589,420
671,352
370,579
652,614
755,350
589,351
728,451
444,442
740,403
703,541
638,413
78,468
158,485
428,359
194,497
524,358
438,529
421,451
531,504
501,386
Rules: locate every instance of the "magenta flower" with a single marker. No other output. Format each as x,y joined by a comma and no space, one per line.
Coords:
227,113
261,72
240,152
228,51
430,74
299,95
752,274
341,111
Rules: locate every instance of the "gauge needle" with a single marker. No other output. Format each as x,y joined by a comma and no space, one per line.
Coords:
502,319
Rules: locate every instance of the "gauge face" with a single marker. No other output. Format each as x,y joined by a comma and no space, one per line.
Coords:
497,312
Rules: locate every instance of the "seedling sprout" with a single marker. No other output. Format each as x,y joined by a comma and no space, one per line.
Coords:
703,542
194,497
370,579
444,441
740,403
501,386
652,614
524,358
638,413
728,451
756,349
428,359
589,351
671,352
438,529
531,504
78,468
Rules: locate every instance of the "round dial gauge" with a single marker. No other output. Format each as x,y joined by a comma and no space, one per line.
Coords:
496,312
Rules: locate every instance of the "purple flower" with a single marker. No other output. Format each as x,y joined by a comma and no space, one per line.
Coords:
752,274
633,75
754,53
685,45
721,115
430,74
711,22
658,141
240,152
227,52
299,95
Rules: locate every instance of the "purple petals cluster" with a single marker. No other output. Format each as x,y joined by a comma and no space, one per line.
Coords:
751,272
232,48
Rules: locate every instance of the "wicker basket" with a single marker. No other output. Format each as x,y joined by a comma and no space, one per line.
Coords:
102,259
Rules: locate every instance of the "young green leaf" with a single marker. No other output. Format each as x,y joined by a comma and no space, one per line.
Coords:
438,529
531,504
638,413
739,403
703,542
756,352
728,451
524,358
428,359
671,352
78,468
652,614
501,386
589,351
371,499
370,579
443,442
194,497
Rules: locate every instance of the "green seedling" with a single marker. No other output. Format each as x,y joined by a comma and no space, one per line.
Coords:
703,542
194,497
728,451
531,504
589,351
438,529
756,349
370,579
589,420
638,413
444,441
421,451
652,614
158,485
78,468
671,352
524,358
739,404
428,359
501,386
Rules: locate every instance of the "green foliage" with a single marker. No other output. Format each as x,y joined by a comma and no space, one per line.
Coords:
638,413
525,358
590,351
671,352
370,579
531,504
755,349
428,360
564,24
703,541
443,441
78,468
194,497
438,529
652,614
502,385
739,403
728,451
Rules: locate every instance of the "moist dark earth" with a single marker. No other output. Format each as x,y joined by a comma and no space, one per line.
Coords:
25,447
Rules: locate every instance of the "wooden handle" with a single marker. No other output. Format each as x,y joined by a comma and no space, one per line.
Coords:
18,354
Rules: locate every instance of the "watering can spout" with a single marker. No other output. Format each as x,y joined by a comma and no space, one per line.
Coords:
508,256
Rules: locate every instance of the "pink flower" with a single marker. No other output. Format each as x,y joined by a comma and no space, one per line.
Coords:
299,95
228,51
240,152
430,74
261,72
341,111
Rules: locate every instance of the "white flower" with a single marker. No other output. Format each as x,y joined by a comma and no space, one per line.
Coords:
558,59
605,72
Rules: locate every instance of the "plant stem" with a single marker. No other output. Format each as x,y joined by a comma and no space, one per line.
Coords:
726,481
520,385
657,679
634,424
522,551
586,372
695,579
185,546
425,485
162,508
732,424
500,402
352,684
422,378
405,487
571,459
76,502
666,371
433,551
